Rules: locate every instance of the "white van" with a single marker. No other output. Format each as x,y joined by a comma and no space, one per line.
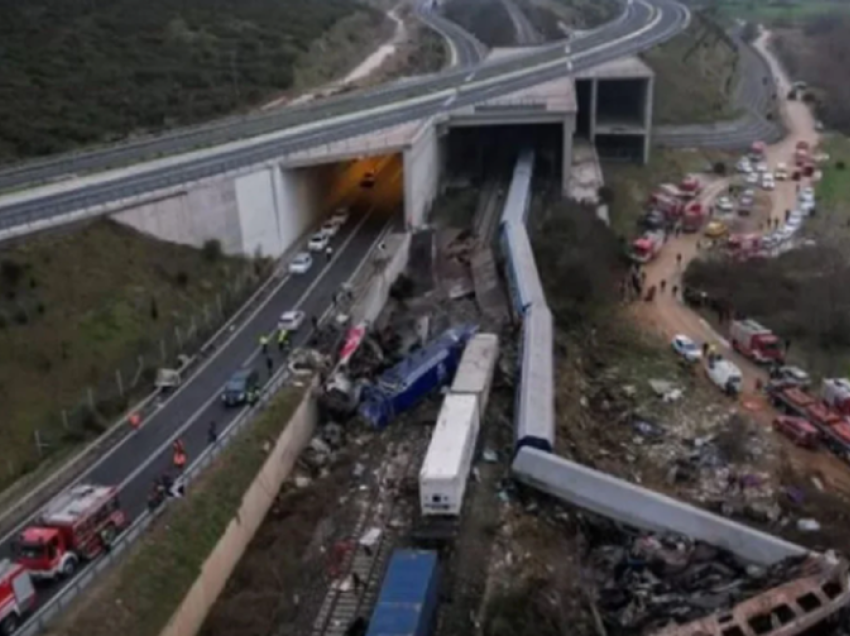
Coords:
726,375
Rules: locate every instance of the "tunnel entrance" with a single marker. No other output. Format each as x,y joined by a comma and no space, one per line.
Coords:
622,102
584,88
475,153
627,148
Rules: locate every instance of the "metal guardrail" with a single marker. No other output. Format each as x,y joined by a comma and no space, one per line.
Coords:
70,470
84,578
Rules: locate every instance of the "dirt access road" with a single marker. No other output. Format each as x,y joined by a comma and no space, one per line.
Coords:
669,316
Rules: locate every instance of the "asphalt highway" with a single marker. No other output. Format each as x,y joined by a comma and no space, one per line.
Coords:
233,128
147,454
659,20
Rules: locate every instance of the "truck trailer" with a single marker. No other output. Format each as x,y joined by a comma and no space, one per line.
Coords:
429,368
445,471
477,366
409,596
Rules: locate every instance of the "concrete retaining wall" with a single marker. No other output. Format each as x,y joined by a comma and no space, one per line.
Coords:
262,212
386,270
422,163
189,617
642,508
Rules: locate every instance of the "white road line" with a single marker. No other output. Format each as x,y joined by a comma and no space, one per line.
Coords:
154,456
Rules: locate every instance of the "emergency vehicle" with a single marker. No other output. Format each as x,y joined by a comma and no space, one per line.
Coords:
76,526
17,596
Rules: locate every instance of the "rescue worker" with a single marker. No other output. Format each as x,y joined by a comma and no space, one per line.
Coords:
663,285
135,421
212,433
315,322
679,260
264,343
179,461
178,446
269,365
282,337
675,291
329,252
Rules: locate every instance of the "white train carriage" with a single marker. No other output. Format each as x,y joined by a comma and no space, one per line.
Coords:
535,406
523,279
519,194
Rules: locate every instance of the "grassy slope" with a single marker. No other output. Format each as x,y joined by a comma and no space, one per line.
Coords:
693,85
833,191
138,597
88,296
83,72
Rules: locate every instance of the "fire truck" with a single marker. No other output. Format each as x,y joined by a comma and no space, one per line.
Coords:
647,246
755,341
76,526
17,596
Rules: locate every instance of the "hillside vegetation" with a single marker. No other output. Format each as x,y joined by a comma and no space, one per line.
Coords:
695,76
83,71
76,306
818,53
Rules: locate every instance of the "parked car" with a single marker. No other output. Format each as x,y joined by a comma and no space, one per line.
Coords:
761,167
318,242
767,181
291,320
752,178
781,172
744,166
301,264
724,204
340,216
790,376
686,348
716,229
798,430
242,388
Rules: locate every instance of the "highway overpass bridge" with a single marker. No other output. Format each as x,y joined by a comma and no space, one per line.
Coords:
259,194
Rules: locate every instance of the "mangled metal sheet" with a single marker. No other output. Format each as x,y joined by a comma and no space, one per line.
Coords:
645,509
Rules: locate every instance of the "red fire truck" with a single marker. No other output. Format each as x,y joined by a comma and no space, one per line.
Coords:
76,526
17,596
755,341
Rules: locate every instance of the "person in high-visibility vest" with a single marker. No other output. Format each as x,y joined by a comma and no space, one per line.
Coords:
135,421
282,337
264,343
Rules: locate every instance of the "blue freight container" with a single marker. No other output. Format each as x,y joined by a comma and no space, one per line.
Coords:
423,371
407,604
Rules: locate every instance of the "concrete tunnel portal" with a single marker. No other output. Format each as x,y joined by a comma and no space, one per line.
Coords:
268,211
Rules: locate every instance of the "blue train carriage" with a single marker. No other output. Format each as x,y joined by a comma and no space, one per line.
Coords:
518,201
409,598
535,407
423,371
521,270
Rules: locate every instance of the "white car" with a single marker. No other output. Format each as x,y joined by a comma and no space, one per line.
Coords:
794,222
291,320
724,204
318,242
744,166
806,207
329,229
686,348
781,172
752,178
301,264
340,216
768,182
761,166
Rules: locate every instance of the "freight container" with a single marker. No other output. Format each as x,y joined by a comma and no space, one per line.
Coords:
445,471
401,387
407,604
474,376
